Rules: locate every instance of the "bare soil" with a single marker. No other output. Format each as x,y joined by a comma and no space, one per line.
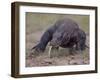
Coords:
58,58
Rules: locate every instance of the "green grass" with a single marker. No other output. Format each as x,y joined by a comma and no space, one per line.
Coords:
38,21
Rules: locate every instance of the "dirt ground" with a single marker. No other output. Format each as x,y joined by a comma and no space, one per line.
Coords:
36,24
57,59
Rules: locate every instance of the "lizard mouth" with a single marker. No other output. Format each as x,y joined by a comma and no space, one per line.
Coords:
54,44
